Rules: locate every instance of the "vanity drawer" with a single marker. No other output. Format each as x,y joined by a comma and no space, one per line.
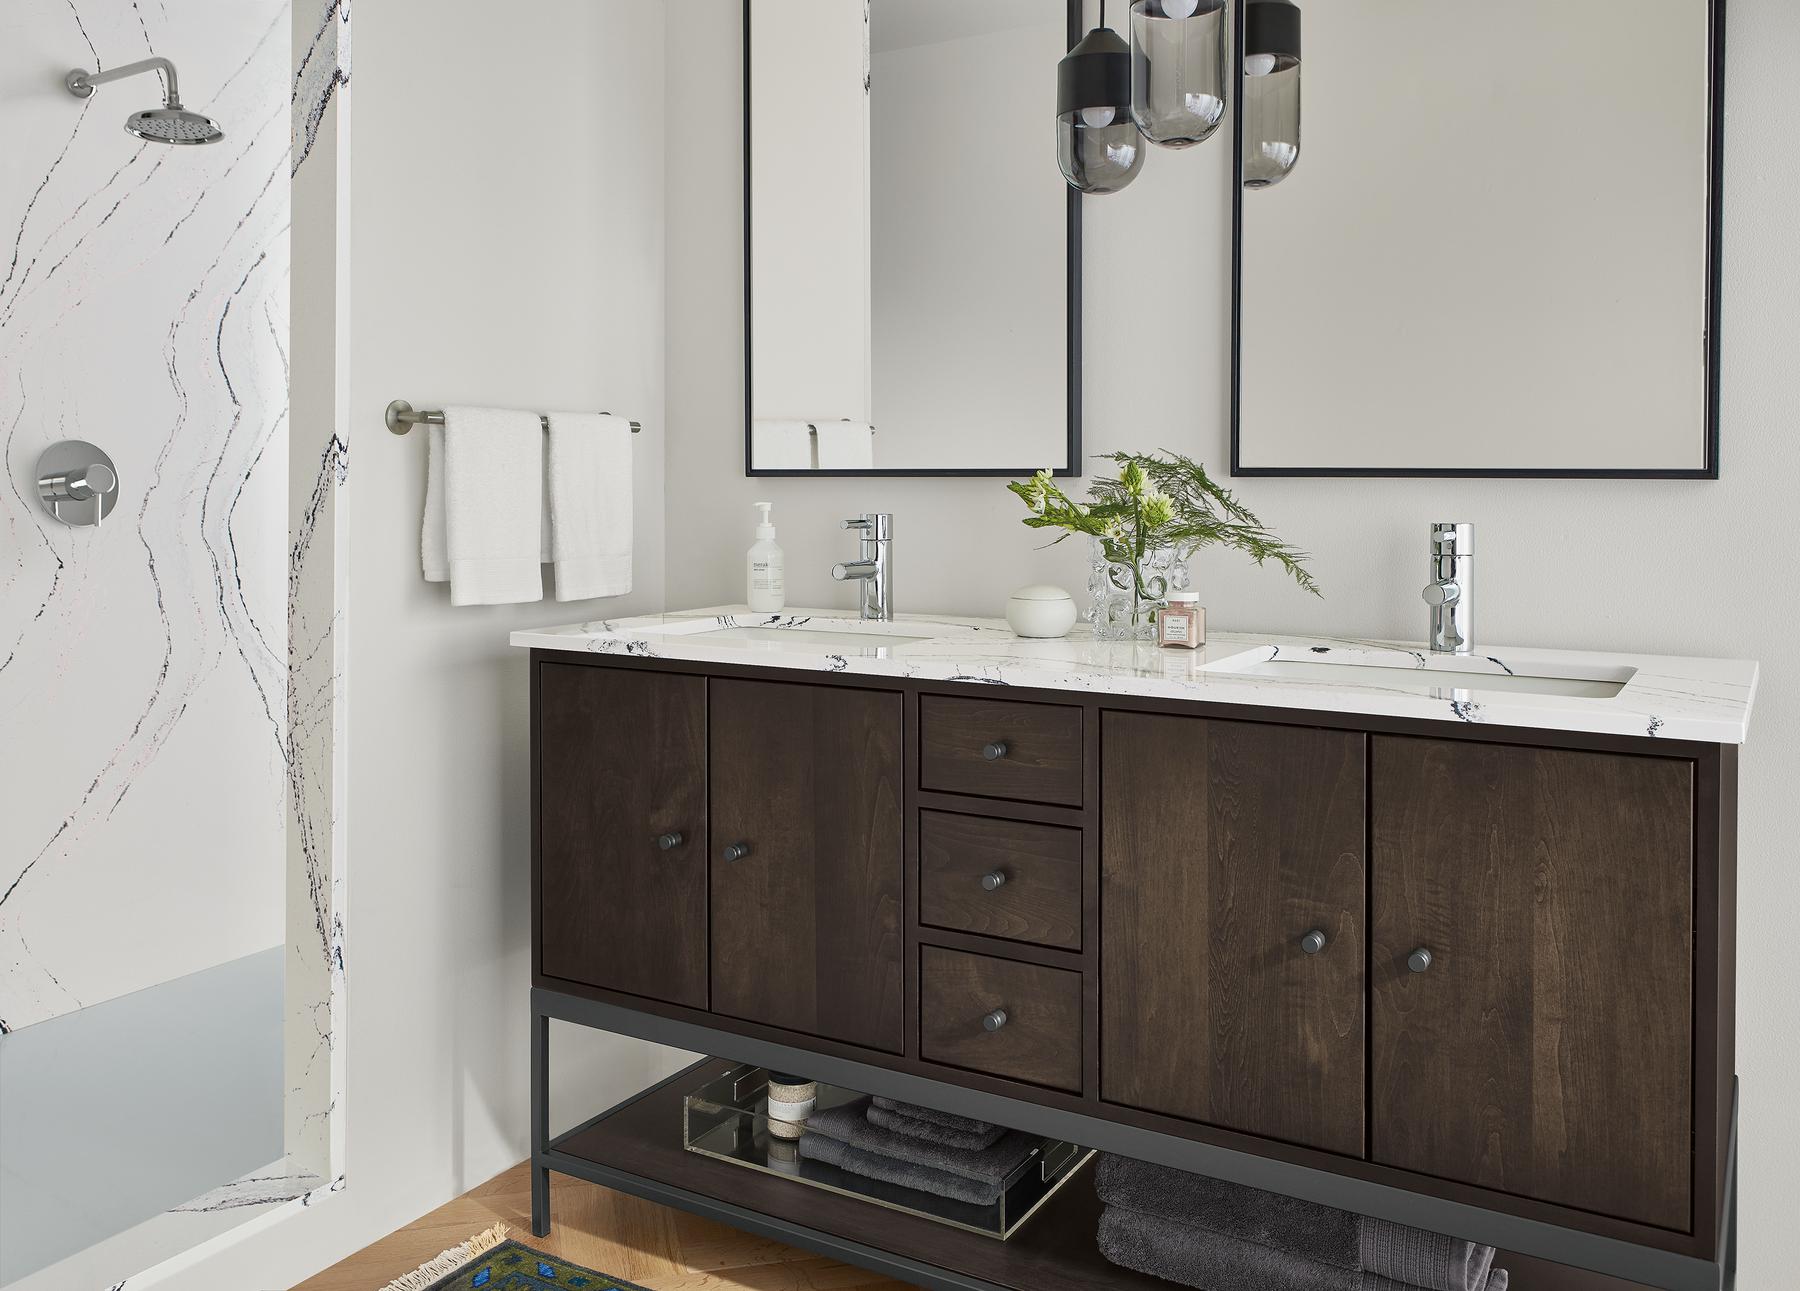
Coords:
1000,878
1000,749
1034,1014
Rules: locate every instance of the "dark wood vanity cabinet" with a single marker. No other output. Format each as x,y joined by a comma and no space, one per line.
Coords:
1533,972
1232,905
807,868
621,826
1487,967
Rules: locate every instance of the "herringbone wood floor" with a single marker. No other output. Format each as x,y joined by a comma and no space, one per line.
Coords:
658,1248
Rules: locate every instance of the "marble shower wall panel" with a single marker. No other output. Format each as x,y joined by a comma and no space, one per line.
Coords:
143,667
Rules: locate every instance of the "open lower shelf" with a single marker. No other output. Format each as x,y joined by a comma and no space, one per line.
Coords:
641,1141
637,1148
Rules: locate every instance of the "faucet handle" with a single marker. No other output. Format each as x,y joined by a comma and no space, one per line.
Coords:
1452,539
865,523
1443,592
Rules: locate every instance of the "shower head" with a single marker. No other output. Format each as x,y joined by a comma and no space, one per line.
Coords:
171,123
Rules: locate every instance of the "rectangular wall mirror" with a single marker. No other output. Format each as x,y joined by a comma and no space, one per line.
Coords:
1498,252
913,257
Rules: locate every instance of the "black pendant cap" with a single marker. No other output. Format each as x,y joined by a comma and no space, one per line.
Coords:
1272,27
1095,74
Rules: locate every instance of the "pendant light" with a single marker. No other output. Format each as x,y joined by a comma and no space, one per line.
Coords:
1271,91
1097,143
1178,62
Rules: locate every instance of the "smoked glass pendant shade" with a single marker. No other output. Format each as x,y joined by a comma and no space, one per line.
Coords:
1271,92
1097,143
1178,69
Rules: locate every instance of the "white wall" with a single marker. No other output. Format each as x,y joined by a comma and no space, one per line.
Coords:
1687,568
508,247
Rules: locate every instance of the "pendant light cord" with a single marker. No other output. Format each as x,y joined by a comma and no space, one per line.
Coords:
1103,13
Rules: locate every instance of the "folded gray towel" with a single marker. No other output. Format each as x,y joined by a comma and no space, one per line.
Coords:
930,1131
907,1174
848,1124
1195,1257
1409,1256
949,1120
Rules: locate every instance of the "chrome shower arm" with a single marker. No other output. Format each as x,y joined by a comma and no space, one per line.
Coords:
81,82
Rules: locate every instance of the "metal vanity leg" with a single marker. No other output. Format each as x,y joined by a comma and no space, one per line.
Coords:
540,1122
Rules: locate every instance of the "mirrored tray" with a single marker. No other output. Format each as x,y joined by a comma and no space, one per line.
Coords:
727,1119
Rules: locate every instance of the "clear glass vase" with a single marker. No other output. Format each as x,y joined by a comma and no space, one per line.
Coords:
1127,599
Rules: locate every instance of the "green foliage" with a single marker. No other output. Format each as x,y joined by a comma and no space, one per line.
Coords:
1158,500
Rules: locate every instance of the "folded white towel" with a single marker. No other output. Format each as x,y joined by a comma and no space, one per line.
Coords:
781,445
434,538
590,504
484,499
846,446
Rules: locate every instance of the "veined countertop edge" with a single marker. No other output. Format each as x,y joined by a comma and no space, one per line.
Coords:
1667,697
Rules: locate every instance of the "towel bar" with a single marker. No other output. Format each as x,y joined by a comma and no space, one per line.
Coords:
401,418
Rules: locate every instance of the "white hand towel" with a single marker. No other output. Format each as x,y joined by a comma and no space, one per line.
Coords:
590,504
484,500
434,540
781,445
846,446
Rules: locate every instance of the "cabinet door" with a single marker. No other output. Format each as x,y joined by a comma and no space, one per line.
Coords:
1545,1049
621,774
806,921
1223,845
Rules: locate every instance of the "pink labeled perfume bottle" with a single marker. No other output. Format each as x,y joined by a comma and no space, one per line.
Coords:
1182,622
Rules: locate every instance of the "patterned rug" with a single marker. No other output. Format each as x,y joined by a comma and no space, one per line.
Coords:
491,1262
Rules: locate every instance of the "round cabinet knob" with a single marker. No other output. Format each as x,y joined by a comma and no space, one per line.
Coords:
1419,960
670,841
1313,942
994,881
994,751
994,1021
736,851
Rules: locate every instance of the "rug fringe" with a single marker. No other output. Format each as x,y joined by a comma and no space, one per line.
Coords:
449,1261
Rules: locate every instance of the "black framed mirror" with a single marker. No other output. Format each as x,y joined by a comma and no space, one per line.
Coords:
1497,253
912,255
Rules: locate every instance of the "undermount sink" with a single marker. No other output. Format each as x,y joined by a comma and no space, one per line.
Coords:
804,637
1433,674
801,634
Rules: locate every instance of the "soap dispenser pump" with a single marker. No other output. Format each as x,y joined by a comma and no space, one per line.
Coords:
767,590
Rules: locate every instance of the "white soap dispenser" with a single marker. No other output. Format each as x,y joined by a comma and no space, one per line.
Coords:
767,590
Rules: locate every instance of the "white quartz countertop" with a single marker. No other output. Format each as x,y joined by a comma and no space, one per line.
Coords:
1661,696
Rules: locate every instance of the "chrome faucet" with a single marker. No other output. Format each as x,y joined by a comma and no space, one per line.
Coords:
1449,594
875,569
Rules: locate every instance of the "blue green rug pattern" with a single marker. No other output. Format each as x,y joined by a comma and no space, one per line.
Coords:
512,1266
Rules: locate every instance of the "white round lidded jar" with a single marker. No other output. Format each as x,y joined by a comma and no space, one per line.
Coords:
791,1100
1040,611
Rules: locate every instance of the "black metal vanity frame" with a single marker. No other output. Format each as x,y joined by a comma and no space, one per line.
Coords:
1715,210
1562,1245
1072,362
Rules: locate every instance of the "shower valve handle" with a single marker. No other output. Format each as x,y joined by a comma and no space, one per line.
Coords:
76,472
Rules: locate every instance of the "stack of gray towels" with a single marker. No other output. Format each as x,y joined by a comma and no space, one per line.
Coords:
1221,1236
916,1147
